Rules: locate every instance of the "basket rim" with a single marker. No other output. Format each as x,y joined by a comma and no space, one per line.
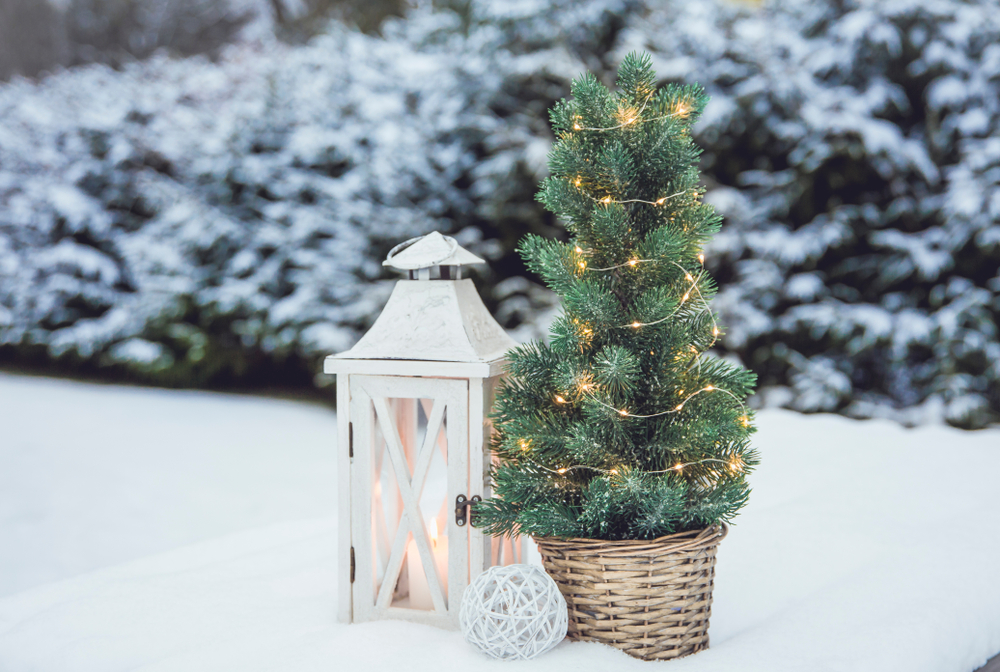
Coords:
678,541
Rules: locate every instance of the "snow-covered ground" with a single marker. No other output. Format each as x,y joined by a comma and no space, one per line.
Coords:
866,546
95,475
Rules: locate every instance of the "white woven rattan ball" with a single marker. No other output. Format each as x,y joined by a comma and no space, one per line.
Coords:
514,612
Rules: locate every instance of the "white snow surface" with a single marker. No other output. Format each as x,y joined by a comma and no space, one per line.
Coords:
95,475
865,546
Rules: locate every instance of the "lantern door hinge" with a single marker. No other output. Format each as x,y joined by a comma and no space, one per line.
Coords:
463,503
352,564
350,441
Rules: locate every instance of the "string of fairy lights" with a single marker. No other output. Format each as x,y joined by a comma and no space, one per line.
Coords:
632,263
588,390
629,116
608,200
632,117
735,464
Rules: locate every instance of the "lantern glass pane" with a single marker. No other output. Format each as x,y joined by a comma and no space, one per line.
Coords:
420,450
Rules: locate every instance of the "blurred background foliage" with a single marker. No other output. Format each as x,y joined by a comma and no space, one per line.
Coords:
199,193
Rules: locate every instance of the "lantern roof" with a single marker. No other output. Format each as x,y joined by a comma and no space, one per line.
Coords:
439,321
430,250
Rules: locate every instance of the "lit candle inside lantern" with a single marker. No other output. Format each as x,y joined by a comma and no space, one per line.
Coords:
439,547
420,593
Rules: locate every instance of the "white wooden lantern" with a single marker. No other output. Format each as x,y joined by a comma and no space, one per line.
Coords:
413,398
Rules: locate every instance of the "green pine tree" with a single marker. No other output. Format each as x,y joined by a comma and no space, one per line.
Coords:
621,427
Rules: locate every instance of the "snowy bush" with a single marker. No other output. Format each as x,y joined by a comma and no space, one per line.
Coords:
195,223
855,148
42,35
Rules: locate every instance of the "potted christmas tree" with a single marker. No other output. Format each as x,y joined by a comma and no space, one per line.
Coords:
623,449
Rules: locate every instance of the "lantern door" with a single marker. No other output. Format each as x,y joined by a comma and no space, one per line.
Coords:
410,462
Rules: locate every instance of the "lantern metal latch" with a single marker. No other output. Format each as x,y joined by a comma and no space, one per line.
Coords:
461,504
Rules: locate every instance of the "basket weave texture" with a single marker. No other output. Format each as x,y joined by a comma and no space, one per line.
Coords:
651,599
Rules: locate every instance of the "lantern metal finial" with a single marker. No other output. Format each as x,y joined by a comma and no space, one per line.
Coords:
422,253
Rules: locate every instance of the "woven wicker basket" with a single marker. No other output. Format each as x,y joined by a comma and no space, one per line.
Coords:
651,599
